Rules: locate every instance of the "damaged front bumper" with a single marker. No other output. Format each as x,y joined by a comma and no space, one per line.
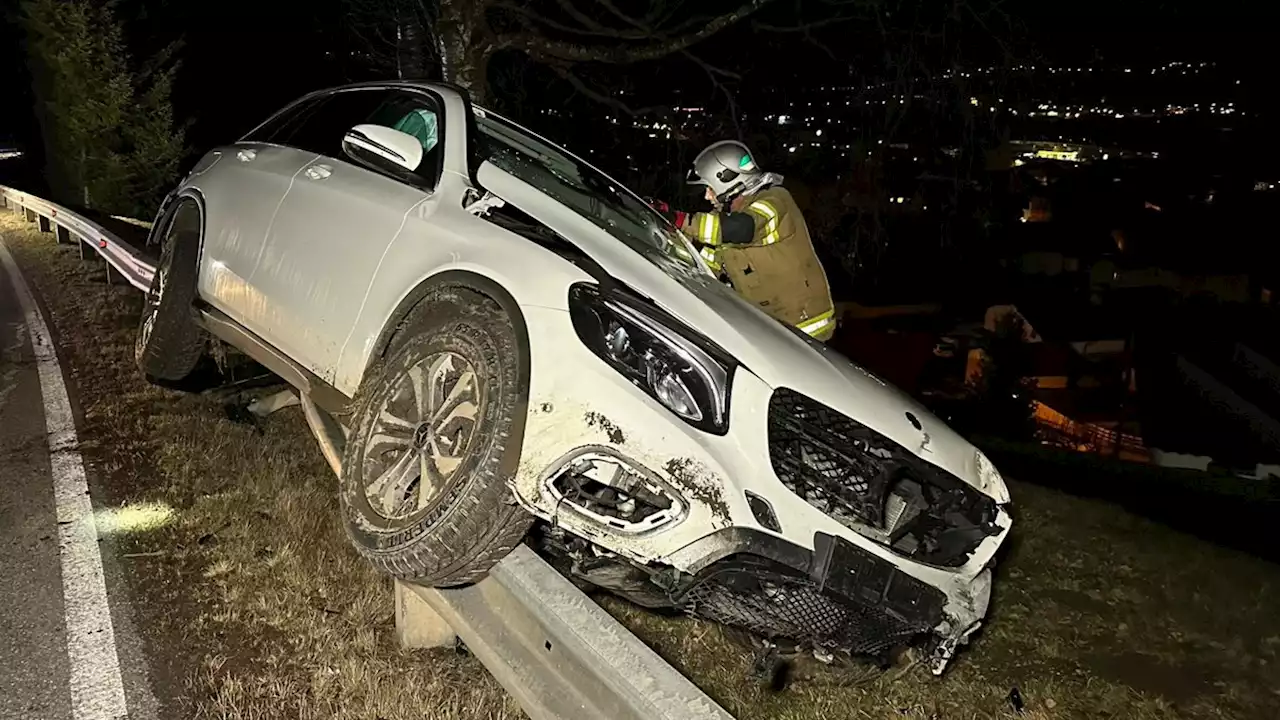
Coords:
760,528
837,597
962,624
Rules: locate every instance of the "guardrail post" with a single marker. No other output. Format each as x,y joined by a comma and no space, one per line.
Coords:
59,233
108,266
81,243
417,624
30,214
46,225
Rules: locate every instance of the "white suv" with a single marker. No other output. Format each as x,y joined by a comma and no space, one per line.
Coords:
487,331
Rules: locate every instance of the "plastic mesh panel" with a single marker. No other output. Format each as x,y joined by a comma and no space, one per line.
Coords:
776,606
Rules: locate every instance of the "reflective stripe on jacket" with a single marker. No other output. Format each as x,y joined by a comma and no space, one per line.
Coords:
704,229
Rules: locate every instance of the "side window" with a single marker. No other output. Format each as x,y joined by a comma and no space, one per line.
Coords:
320,128
418,115
281,124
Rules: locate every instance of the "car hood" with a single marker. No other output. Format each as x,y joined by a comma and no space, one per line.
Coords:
777,354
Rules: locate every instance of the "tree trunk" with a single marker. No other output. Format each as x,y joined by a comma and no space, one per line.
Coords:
471,74
411,61
464,46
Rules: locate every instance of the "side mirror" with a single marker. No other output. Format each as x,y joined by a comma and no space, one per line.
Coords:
382,148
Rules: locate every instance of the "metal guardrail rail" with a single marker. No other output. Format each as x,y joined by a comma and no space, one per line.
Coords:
136,269
558,653
554,649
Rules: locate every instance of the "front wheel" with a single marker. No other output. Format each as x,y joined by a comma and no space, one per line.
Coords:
426,475
169,343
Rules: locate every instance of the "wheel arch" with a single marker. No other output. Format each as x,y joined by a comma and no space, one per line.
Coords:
181,340
473,281
491,289
169,207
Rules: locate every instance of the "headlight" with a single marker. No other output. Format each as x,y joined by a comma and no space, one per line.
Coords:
990,480
681,370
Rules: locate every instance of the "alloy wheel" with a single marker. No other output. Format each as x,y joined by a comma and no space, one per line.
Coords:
423,435
154,296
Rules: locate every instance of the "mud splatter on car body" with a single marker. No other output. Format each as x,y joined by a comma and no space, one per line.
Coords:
700,483
596,420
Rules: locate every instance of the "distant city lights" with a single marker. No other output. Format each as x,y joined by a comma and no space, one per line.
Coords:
841,117
1064,155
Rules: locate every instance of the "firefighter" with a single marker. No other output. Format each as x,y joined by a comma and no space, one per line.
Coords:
757,238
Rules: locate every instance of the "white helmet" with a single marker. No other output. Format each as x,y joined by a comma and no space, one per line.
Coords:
728,168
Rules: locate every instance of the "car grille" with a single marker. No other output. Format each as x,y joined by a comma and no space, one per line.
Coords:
874,486
835,464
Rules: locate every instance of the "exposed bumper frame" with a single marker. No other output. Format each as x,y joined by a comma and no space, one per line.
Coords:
845,570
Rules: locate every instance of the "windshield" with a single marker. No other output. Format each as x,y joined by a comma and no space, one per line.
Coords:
585,190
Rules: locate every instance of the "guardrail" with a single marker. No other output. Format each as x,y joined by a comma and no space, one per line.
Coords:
554,649
136,269
558,653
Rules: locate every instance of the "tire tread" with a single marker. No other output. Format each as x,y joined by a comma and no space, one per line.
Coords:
485,523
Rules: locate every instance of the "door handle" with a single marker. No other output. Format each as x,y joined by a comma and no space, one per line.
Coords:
319,172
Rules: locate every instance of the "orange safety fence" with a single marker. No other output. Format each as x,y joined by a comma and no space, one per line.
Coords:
1057,429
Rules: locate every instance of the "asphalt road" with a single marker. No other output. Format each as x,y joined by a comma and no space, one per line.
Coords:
34,675
67,646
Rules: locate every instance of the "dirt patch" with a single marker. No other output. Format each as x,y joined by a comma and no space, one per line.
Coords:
1075,600
1181,683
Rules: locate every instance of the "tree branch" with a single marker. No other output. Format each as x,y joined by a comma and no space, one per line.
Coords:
600,97
613,9
537,46
596,31
801,28
711,69
715,83
585,20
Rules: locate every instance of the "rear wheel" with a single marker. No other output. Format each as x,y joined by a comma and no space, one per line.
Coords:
169,343
425,484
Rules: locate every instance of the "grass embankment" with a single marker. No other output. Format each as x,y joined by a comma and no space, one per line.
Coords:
250,601
1218,506
253,593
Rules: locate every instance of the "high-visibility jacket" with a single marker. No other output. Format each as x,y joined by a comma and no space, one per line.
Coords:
771,262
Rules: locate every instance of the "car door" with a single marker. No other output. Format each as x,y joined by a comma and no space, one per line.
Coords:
339,218
242,192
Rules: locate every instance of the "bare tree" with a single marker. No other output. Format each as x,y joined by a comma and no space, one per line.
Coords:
455,39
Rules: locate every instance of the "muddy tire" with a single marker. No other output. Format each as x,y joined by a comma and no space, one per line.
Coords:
436,439
169,343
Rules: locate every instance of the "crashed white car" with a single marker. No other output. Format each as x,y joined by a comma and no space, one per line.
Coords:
486,332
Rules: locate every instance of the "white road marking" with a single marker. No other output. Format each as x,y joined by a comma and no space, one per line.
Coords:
97,689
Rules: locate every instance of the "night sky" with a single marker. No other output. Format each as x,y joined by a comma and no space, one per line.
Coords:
241,59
